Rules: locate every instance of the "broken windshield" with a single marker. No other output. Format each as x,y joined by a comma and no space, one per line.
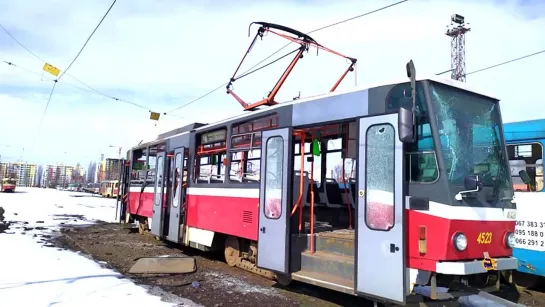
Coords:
471,139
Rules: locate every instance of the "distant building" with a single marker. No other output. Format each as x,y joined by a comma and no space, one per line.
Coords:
109,169
60,175
24,173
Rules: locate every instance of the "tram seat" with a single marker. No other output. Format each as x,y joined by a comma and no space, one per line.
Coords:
210,179
319,198
245,178
334,193
352,182
202,179
296,181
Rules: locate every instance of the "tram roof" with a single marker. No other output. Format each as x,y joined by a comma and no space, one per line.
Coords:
200,126
524,130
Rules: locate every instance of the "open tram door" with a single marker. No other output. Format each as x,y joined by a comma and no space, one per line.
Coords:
273,234
177,215
380,231
122,201
158,194
380,242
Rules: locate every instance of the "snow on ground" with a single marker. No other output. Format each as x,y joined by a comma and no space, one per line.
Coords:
32,274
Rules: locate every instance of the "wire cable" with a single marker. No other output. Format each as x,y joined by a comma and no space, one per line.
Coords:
283,47
507,62
89,90
57,80
497,65
65,71
43,115
20,44
88,39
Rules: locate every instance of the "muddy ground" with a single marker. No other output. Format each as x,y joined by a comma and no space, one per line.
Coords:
214,283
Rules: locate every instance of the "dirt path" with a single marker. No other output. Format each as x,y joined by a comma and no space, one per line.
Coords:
214,283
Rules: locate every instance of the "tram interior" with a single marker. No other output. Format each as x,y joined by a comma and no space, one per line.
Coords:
323,247
527,157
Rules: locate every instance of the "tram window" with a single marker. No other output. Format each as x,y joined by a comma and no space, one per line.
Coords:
245,150
273,177
211,152
380,175
138,172
151,165
210,168
177,184
528,157
245,166
317,171
159,172
420,158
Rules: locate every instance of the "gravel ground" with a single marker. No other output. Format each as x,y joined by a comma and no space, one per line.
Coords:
214,283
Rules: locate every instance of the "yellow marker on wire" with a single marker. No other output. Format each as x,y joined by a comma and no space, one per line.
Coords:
51,69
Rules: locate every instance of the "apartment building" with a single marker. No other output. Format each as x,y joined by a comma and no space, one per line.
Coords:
58,175
109,169
23,172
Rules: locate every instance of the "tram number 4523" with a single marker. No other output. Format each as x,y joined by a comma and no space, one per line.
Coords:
484,238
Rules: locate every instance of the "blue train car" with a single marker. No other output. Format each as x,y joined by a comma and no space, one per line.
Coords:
525,141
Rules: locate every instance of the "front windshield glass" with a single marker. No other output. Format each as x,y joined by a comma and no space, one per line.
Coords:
471,140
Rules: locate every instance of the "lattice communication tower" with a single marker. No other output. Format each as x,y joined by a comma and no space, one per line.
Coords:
456,31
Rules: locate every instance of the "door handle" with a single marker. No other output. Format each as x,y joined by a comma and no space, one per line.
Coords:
393,248
262,229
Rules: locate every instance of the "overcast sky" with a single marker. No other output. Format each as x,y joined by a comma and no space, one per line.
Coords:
164,53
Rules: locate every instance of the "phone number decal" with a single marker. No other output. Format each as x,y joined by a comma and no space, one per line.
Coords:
530,235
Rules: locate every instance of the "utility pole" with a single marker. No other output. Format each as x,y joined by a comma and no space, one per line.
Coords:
456,31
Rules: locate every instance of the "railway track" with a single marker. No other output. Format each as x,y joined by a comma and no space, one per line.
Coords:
234,258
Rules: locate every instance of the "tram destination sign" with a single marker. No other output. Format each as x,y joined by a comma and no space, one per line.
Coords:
214,136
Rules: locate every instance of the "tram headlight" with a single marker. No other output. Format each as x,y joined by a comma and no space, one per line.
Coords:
460,241
510,240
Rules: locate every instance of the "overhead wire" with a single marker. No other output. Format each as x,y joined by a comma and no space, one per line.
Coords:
497,65
30,71
71,63
88,39
65,71
283,47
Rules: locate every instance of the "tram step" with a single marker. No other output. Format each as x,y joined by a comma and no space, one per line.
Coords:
329,264
335,244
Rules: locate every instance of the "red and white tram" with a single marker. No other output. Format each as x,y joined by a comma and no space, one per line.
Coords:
384,191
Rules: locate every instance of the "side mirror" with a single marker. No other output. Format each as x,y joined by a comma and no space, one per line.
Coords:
525,177
405,124
472,183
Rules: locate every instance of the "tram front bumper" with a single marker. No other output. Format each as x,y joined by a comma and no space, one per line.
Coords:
476,266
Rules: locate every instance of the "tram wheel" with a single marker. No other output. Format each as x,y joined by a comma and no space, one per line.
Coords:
142,225
232,251
524,280
283,279
141,228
